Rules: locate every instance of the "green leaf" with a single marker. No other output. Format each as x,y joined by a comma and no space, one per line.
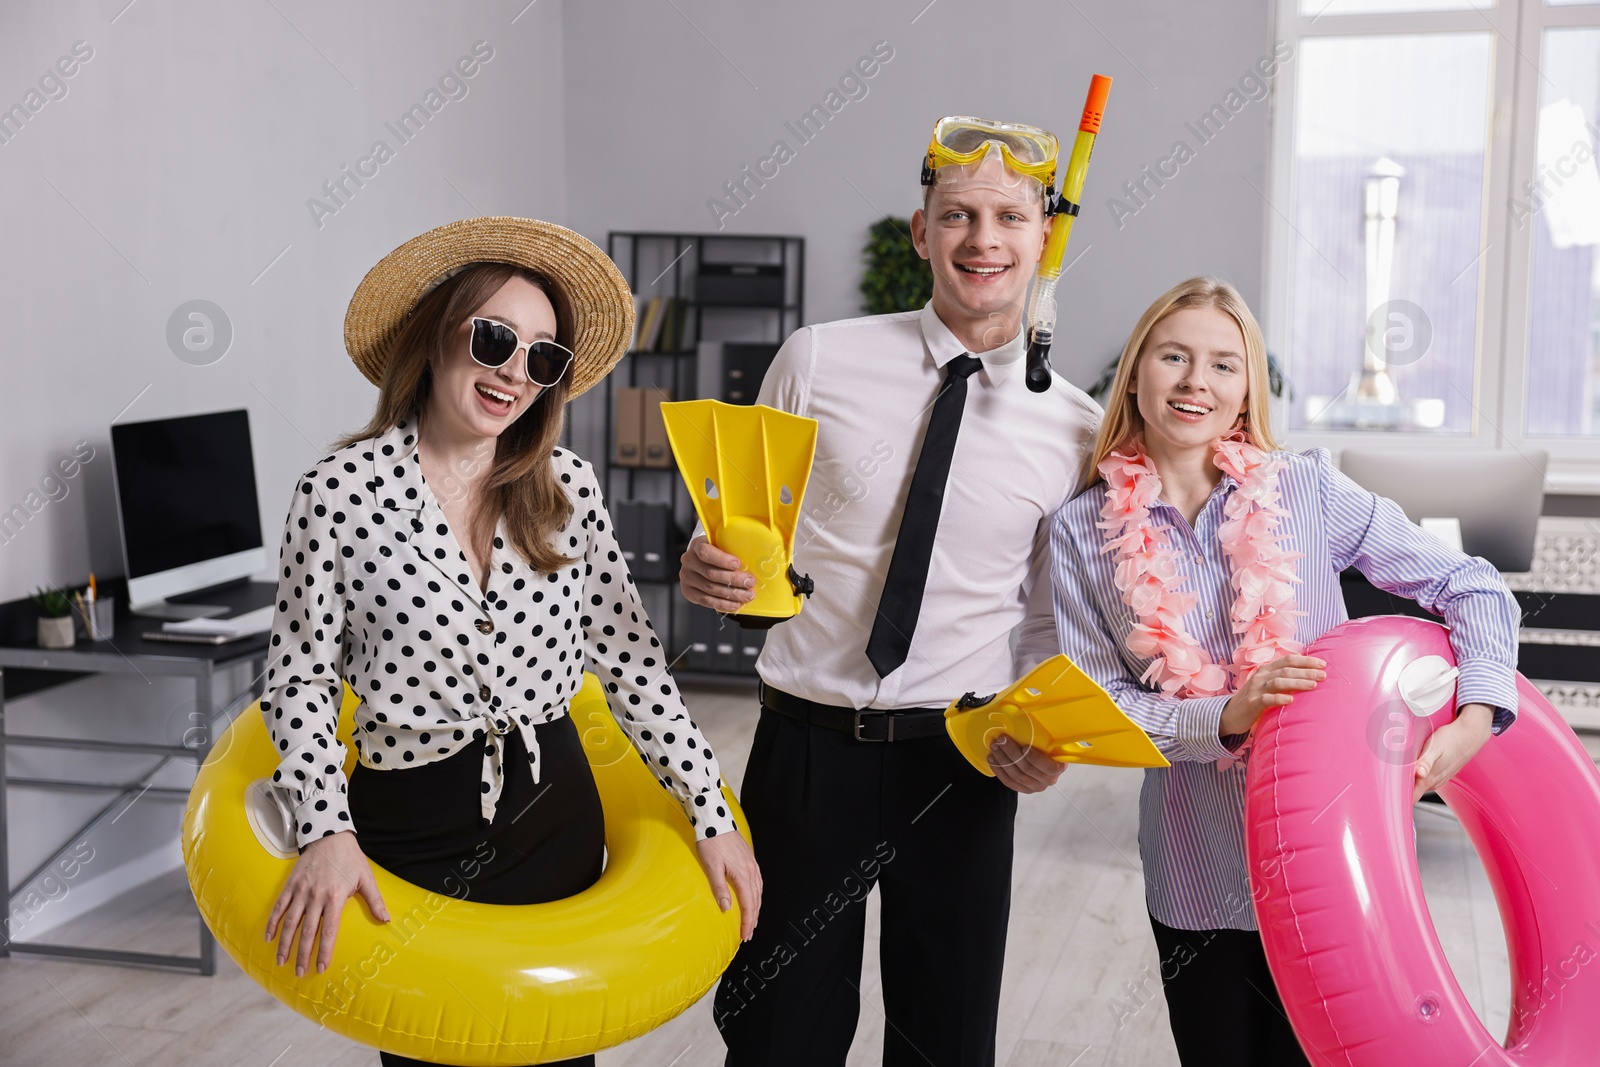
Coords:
52,603
896,278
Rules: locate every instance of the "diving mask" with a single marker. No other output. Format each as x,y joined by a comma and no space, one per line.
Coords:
965,142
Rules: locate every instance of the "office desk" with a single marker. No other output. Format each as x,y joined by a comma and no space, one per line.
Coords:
127,653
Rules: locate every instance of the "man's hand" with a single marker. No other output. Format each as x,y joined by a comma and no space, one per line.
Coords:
1451,746
713,579
1023,767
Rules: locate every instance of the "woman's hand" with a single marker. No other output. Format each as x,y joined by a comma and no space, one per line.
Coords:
711,578
329,872
1451,746
1271,686
729,861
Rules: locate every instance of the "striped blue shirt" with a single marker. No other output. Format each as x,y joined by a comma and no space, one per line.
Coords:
1191,815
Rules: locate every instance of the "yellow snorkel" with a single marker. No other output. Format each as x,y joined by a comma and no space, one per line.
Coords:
1042,304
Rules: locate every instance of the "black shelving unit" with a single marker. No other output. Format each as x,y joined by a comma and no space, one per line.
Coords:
665,265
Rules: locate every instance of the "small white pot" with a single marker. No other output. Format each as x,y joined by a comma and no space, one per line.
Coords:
56,633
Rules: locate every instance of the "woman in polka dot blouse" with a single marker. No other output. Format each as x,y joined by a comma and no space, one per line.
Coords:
457,569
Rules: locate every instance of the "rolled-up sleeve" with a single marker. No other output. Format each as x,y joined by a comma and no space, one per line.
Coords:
631,663
1182,729
304,688
1372,534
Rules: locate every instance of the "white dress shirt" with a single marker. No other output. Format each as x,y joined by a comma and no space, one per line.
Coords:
374,590
870,383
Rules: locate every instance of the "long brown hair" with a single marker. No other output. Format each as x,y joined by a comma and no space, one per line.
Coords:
1122,419
521,486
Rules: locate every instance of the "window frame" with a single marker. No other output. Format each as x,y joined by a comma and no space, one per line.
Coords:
1501,336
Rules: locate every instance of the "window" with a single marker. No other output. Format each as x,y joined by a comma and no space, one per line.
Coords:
1559,207
1435,219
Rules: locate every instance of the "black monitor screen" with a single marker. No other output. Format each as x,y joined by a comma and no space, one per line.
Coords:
186,489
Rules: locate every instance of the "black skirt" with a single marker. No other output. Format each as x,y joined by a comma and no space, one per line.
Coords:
547,841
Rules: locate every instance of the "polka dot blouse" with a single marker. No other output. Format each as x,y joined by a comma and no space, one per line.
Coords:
375,591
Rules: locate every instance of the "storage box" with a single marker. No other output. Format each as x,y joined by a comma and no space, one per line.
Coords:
628,429
740,284
702,632
657,450
750,642
725,645
625,515
744,365
659,543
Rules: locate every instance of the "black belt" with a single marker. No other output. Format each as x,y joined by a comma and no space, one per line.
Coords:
871,724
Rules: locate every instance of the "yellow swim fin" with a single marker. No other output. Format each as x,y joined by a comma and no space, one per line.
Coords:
746,467
1056,708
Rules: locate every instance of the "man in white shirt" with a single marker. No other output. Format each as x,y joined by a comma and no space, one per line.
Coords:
920,581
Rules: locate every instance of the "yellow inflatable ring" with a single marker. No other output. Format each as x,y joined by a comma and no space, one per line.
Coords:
452,981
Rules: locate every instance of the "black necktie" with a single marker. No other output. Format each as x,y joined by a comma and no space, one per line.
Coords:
901,602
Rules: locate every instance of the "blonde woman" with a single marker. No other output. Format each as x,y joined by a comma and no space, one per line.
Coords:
1190,574
459,571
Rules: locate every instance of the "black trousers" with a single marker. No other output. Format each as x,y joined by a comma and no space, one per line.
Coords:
830,817
1222,1001
424,824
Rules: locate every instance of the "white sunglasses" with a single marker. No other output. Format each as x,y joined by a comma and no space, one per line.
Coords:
494,344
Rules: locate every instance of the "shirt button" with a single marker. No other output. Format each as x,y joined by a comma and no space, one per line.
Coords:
1200,560
1211,614
483,692
485,626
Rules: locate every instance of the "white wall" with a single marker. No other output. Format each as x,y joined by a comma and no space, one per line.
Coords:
178,166
700,88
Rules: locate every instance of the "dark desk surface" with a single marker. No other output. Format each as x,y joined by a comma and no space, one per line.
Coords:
127,645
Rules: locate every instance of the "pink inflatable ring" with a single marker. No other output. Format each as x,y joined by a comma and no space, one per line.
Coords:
1334,867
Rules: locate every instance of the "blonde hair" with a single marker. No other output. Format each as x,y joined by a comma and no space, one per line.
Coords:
1122,419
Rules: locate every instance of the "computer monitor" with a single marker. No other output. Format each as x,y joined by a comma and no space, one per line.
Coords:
186,505
1496,496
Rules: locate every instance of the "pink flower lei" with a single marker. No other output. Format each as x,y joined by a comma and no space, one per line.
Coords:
1147,574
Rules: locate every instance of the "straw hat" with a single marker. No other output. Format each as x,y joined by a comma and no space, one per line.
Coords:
595,290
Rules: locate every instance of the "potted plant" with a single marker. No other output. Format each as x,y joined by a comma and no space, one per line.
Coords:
55,619
897,279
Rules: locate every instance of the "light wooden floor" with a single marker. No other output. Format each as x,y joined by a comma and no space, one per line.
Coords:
1079,937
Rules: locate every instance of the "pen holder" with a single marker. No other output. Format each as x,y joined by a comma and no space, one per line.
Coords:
95,622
